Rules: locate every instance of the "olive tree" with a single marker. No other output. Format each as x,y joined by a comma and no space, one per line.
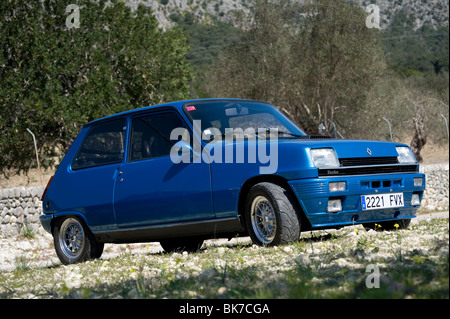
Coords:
316,61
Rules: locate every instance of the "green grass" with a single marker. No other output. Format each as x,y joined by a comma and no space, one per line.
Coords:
412,263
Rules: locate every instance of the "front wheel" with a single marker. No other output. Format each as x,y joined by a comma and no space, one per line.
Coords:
271,216
74,242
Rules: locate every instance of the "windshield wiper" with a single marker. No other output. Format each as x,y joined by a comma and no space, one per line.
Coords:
224,135
268,130
292,134
232,135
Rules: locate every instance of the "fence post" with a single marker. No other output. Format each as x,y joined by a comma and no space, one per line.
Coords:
446,124
335,130
37,156
390,131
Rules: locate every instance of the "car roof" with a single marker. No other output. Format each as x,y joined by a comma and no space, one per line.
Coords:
176,104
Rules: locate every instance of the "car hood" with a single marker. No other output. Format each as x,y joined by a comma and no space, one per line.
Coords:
343,148
352,148
291,158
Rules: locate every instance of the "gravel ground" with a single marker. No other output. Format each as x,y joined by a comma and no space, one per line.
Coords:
39,250
346,263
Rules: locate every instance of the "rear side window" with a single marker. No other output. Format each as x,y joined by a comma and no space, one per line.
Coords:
104,144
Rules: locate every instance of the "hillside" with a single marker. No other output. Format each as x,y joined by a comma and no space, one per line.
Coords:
203,10
432,12
414,32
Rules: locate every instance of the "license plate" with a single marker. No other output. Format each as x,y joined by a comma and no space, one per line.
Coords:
381,201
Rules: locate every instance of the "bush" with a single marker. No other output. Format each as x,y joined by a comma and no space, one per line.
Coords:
55,79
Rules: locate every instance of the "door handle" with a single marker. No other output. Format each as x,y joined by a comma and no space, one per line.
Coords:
118,172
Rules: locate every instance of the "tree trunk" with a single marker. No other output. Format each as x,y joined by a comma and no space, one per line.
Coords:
420,137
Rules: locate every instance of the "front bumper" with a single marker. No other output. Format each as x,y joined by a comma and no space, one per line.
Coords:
314,194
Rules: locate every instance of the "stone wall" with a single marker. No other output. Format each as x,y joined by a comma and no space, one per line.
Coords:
436,193
20,207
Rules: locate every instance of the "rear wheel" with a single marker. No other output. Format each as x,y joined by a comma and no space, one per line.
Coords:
74,242
271,216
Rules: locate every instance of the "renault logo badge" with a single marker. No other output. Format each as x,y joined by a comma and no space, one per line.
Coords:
369,151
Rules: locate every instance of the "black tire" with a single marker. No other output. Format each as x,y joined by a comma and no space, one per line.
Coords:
74,242
98,251
389,225
189,244
271,216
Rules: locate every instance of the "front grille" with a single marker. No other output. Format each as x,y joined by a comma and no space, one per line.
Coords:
366,170
362,161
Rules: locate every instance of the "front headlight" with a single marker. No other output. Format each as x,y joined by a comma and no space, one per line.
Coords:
324,157
405,155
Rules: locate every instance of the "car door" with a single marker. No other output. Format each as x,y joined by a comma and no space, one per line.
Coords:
150,188
86,185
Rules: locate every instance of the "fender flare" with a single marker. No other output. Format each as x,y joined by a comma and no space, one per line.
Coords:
48,220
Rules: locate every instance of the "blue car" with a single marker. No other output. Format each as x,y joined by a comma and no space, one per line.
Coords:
182,172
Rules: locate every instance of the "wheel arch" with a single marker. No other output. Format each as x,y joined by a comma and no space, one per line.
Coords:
60,215
275,179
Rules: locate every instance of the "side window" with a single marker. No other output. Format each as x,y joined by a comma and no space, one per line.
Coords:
104,144
150,135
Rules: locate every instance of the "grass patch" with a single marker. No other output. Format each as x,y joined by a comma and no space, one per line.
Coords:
412,263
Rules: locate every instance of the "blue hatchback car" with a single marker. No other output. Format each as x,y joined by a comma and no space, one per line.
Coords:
183,172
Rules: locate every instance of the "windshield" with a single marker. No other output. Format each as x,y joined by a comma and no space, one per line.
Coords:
222,117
